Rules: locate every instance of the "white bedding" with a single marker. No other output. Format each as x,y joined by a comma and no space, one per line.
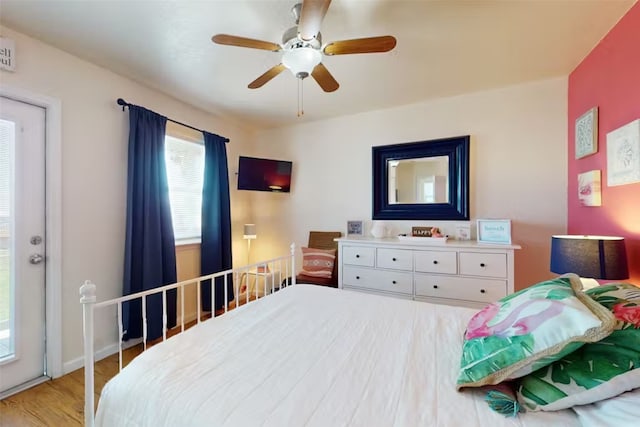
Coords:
621,411
310,356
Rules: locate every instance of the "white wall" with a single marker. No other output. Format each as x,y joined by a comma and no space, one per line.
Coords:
518,167
94,170
517,171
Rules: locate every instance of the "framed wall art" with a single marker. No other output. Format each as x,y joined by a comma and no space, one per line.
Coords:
623,155
587,133
589,188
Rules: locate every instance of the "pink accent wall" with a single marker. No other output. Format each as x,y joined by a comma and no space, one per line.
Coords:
609,78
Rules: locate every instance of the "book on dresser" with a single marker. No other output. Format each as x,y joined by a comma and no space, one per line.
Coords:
461,273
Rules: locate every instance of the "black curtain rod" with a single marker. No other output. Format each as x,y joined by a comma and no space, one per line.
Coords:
125,104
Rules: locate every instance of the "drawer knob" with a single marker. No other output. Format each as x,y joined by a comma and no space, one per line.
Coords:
482,264
393,259
357,277
394,282
435,261
357,256
482,291
435,286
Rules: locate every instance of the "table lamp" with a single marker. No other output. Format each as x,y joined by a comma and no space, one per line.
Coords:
249,235
590,257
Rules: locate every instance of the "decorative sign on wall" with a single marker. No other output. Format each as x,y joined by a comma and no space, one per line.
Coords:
587,133
589,188
623,154
7,54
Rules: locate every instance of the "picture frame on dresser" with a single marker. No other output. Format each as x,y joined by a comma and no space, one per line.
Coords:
463,232
494,231
355,228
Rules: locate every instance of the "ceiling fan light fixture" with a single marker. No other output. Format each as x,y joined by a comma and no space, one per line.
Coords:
301,61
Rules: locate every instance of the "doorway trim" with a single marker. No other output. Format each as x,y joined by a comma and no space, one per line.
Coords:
53,222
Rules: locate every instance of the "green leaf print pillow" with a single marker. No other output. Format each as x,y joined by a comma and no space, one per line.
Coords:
529,329
596,371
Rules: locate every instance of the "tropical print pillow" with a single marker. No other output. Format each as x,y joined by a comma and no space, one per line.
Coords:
595,371
529,329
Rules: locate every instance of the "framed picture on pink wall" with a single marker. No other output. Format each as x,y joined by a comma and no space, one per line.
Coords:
589,188
623,155
587,133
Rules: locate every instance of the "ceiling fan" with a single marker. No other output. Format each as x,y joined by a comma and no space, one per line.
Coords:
302,48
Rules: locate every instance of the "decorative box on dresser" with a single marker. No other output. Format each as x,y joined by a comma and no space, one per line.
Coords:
461,273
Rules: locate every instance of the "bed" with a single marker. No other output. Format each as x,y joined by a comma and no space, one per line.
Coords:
314,356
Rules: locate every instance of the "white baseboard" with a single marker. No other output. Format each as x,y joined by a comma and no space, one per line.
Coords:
107,351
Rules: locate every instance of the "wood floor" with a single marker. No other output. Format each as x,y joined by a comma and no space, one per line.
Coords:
60,402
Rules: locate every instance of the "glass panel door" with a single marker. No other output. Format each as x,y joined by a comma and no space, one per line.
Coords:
22,245
7,285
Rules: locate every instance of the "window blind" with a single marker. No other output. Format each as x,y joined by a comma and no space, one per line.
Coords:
185,172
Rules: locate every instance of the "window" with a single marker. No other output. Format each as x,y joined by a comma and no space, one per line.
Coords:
428,192
185,174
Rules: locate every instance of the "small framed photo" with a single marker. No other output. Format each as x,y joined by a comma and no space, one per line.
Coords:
463,232
354,228
587,133
495,231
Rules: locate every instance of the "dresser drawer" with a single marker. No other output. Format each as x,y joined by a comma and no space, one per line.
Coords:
390,281
436,262
483,264
397,259
358,255
463,288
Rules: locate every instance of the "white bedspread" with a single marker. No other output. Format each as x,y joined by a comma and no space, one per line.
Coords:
310,356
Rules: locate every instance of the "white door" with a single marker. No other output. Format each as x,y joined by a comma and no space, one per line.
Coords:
22,246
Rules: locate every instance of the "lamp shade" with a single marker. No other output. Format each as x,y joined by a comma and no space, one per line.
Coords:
596,257
250,231
301,61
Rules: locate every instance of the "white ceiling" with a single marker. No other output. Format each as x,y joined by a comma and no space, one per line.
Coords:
444,48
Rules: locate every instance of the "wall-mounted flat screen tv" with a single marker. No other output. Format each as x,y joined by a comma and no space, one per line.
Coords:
264,174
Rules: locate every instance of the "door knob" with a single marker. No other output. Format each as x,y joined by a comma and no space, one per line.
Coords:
36,259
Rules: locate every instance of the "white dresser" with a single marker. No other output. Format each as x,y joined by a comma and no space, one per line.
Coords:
457,272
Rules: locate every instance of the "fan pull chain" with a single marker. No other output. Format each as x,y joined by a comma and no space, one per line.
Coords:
300,98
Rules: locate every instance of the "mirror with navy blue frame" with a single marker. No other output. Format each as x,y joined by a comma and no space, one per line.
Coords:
425,180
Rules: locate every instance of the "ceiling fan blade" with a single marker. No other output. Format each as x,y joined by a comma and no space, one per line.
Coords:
366,45
244,42
324,78
271,73
311,17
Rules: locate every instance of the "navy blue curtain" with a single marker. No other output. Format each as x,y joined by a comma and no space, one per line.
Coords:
150,255
215,246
